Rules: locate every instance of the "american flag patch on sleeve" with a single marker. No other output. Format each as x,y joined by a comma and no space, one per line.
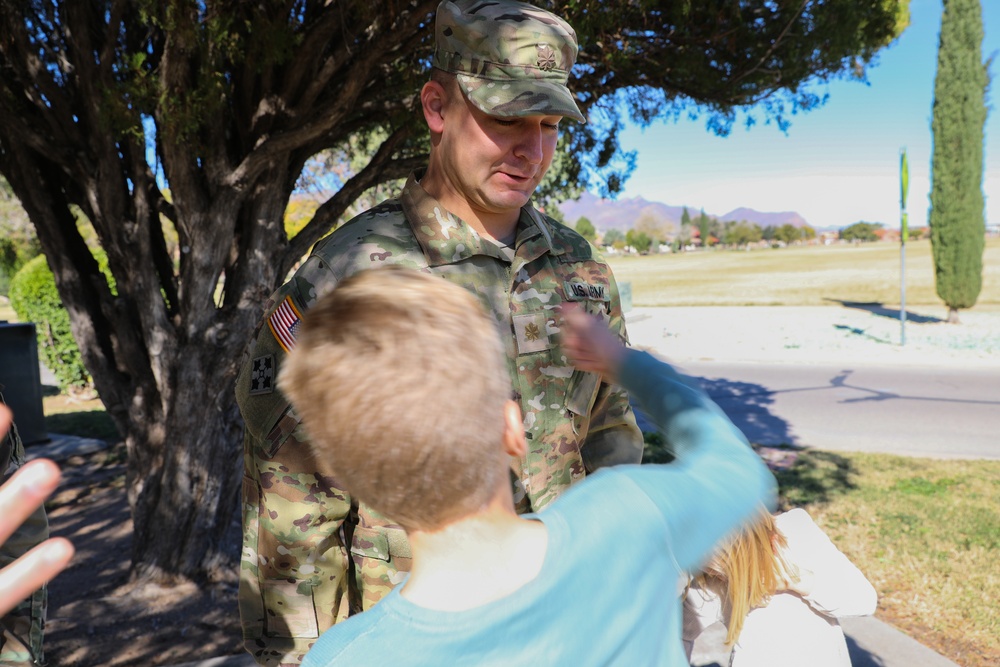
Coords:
284,323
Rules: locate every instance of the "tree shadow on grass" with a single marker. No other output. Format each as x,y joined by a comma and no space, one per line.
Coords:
815,478
876,308
84,424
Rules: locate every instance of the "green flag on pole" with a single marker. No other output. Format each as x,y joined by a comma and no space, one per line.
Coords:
904,186
904,234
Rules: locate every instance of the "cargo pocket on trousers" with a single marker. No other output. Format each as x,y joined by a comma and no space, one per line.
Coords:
381,556
380,543
290,609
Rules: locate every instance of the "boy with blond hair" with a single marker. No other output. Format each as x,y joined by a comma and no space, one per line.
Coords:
428,443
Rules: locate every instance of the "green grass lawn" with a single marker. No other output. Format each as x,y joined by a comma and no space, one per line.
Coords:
925,532
85,418
794,276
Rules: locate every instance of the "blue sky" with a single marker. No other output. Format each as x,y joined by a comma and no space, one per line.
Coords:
837,164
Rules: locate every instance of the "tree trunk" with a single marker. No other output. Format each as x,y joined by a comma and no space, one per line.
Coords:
953,316
184,497
165,365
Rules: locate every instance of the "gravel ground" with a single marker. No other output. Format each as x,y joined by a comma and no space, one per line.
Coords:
786,334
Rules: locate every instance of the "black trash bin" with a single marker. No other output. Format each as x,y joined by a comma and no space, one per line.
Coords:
21,379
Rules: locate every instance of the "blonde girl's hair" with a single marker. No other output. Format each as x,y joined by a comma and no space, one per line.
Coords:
753,569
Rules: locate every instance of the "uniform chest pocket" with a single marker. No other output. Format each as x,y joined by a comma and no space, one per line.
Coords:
533,333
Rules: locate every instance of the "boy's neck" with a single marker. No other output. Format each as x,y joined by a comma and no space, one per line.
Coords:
492,553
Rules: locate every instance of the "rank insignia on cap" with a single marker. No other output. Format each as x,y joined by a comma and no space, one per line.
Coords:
546,57
262,375
587,292
284,323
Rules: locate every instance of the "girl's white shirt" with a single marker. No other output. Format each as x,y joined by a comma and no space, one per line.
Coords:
797,627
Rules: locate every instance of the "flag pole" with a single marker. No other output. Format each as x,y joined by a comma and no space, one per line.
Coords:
904,233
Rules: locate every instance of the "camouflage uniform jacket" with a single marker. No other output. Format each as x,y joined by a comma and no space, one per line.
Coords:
294,580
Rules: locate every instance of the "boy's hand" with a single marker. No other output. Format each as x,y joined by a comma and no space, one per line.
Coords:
589,343
21,495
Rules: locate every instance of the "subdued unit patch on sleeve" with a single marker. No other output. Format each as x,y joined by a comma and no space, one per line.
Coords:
284,323
262,375
580,291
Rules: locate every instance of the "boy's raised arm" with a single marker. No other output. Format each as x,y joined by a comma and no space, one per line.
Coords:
717,479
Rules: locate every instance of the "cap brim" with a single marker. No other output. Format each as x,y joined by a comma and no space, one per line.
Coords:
514,99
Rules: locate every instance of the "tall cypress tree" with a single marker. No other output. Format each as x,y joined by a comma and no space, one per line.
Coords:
956,216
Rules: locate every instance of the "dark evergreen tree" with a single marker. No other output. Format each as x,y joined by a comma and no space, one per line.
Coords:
704,229
956,215
861,231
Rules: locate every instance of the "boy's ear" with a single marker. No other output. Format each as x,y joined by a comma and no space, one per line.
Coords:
514,442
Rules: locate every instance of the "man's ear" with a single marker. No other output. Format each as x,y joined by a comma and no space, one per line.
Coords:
434,99
514,442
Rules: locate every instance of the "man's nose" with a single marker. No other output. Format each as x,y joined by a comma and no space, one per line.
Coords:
529,144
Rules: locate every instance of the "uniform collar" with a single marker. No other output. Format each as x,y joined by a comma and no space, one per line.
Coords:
447,239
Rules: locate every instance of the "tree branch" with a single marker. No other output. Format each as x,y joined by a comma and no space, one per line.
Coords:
326,216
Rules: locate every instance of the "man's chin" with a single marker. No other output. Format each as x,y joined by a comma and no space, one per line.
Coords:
511,199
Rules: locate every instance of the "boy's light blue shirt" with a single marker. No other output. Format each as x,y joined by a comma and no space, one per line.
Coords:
607,590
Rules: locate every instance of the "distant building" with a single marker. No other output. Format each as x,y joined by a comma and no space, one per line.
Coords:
884,234
828,238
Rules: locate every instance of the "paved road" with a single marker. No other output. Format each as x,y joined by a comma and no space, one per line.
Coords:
933,412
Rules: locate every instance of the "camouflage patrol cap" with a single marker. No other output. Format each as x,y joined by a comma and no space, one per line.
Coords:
511,58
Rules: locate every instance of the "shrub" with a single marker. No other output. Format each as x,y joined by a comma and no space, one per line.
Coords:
15,251
34,298
8,261
861,231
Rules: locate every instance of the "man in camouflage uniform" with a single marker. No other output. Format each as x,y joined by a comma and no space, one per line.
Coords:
22,628
493,104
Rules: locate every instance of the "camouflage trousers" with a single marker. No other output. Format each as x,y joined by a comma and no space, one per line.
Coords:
24,625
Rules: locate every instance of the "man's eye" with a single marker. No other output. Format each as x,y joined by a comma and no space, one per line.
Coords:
504,122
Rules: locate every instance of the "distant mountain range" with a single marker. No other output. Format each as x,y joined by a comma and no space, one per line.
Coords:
623,214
